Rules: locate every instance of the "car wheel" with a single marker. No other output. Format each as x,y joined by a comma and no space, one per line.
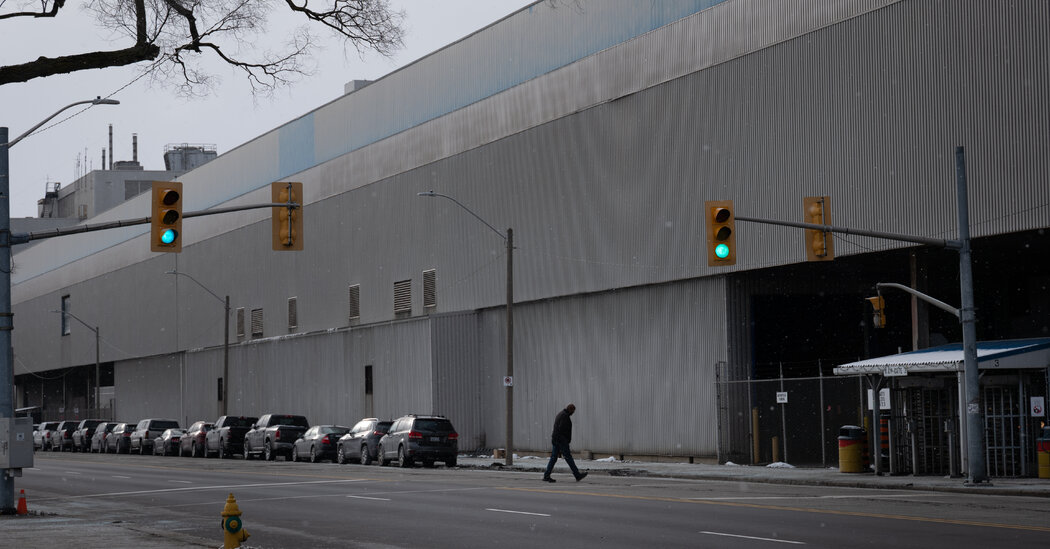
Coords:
314,458
247,451
194,452
429,464
366,458
295,454
402,459
340,457
450,462
268,454
222,450
379,457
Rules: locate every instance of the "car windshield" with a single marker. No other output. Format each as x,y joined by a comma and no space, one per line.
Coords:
384,426
166,424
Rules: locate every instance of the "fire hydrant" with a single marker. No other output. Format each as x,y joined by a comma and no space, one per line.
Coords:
233,532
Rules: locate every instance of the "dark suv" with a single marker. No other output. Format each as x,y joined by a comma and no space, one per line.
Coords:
418,437
362,441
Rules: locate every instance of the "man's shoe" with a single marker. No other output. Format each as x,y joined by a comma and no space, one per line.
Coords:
548,479
580,476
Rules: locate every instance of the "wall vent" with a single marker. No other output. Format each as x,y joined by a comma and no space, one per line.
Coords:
354,302
257,322
403,297
430,288
293,313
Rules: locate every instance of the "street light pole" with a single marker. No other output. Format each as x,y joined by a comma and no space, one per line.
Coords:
7,372
224,409
509,381
98,394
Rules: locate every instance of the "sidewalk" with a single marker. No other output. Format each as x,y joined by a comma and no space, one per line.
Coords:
48,527
778,474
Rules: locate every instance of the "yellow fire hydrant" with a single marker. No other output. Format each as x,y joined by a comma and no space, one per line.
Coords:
233,532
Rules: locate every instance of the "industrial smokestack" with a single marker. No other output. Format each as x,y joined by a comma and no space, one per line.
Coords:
111,155
134,147
103,159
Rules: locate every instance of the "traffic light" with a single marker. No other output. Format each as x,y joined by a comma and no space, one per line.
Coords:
166,217
878,319
820,246
287,220
721,235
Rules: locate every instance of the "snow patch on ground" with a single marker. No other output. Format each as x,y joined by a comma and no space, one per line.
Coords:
780,465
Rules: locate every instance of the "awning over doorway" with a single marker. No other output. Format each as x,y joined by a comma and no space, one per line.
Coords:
991,355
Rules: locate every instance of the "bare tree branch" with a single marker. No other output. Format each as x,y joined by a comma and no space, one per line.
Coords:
176,36
44,11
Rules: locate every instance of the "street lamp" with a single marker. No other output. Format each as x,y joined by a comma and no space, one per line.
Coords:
509,380
93,329
7,372
225,341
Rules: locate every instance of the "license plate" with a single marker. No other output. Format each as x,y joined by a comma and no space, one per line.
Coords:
435,439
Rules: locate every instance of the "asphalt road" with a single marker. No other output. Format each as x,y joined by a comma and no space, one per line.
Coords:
289,505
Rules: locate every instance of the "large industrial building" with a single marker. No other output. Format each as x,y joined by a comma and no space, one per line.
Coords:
593,131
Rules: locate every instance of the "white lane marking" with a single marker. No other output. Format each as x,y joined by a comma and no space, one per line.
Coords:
366,497
753,537
118,476
518,512
203,488
71,473
851,496
181,481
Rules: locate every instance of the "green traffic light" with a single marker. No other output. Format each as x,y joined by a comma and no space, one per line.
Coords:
168,236
722,251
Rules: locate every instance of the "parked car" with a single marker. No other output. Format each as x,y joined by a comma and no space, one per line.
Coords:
147,430
83,433
44,433
362,442
192,444
226,437
167,444
273,435
98,440
119,439
318,443
420,437
62,438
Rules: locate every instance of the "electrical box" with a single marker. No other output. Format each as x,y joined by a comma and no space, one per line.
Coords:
16,443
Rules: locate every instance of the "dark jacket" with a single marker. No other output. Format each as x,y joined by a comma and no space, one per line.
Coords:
562,428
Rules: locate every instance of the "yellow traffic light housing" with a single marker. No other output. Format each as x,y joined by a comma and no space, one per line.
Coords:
287,220
878,318
166,217
721,233
820,246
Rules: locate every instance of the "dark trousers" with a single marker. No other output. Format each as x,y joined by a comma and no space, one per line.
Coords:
562,449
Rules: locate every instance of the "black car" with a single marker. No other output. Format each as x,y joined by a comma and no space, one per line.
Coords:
98,440
273,435
318,443
118,440
167,444
362,442
226,436
420,437
62,438
83,433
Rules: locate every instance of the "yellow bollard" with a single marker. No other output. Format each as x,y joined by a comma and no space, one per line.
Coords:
233,532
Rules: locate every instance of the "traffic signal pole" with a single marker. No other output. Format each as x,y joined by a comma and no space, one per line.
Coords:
975,463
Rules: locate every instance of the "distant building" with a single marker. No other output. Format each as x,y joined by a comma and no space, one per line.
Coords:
185,156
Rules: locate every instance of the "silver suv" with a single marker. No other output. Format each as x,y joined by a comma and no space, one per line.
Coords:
419,437
147,430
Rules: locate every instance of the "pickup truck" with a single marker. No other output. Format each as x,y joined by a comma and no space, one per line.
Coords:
274,434
227,436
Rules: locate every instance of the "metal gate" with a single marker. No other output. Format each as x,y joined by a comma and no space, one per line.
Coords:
1005,429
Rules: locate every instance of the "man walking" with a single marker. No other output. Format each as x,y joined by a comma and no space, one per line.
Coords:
560,439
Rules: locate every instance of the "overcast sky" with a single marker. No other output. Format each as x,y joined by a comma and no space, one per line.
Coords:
226,119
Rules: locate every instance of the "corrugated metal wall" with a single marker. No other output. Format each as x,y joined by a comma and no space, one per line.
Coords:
601,169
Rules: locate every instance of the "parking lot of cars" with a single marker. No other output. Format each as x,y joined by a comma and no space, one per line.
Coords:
408,440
